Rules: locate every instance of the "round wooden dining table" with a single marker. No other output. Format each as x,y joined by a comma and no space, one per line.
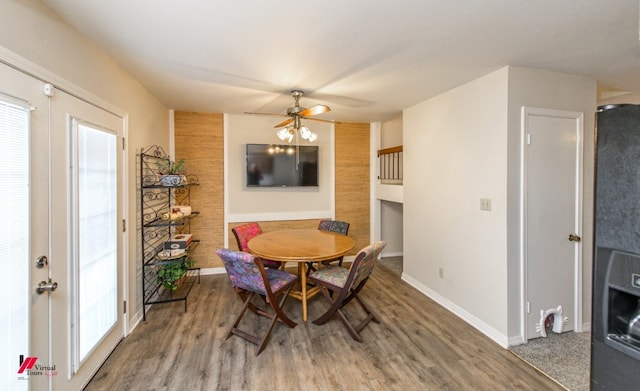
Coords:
301,246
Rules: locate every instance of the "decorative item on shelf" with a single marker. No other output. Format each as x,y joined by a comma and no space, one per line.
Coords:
172,216
172,275
184,209
178,241
172,173
168,254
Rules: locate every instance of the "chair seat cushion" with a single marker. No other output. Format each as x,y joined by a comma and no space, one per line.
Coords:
254,283
334,275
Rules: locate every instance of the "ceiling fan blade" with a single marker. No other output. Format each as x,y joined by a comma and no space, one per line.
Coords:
315,110
271,114
320,120
284,123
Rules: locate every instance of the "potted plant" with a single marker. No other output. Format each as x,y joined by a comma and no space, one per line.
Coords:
172,274
171,172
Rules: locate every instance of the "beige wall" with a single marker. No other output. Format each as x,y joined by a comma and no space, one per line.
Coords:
33,32
457,155
251,204
391,132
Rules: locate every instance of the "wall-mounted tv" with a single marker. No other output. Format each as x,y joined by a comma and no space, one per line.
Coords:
273,165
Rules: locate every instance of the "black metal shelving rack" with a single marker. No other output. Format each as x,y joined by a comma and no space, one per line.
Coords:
156,200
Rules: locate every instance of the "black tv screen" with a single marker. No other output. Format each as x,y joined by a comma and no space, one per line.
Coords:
277,165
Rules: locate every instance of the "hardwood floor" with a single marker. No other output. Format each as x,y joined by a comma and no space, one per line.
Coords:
417,345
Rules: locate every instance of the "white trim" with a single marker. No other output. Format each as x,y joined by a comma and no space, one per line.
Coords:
212,270
332,173
307,215
128,225
579,118
172,135
225,179
375,205
472,320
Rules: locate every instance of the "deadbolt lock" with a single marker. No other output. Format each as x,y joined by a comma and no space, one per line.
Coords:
46,286
574,238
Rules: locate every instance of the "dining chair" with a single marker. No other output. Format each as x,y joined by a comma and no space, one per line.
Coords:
251,279
340,285
246,232
337,226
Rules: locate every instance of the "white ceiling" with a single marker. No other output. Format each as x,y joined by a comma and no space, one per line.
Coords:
367,59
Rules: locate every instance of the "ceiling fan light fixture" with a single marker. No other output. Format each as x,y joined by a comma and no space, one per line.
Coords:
285,134
313,137
305,132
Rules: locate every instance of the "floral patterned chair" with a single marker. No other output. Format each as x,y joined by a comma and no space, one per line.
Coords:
250,278
341,227
340,285
246,232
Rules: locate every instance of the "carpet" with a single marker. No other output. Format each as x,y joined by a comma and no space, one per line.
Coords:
563,357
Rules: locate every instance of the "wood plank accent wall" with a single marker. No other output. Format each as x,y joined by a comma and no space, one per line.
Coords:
353,180
199,140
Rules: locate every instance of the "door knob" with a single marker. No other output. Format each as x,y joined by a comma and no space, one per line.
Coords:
574,238
46,286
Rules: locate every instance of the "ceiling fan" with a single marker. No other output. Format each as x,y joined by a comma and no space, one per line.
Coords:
292,126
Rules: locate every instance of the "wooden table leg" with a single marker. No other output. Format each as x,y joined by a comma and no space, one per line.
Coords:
302,271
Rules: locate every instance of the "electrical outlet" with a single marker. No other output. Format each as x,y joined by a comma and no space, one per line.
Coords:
485,203
441,272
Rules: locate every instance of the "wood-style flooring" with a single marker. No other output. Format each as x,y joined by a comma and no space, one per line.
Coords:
418,345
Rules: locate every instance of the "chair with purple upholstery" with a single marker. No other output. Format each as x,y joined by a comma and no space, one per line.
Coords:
250,278
246,232
340,227
340,285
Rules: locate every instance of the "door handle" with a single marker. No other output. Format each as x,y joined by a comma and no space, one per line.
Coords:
46,286
574,238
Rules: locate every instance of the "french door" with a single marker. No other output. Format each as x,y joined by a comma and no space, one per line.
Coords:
61,165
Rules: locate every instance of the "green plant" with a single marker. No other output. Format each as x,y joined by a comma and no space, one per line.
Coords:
169,167
169,275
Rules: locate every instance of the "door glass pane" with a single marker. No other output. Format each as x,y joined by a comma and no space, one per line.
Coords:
14,242
96,243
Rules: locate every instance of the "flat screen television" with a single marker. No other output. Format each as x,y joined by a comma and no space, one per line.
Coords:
270,165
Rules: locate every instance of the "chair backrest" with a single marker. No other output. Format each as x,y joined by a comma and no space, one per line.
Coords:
362,266
244,233
242,270
341,227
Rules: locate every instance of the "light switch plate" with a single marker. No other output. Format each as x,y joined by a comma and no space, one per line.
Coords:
485,204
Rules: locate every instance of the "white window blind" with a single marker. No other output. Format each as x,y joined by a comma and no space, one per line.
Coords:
14,239
95,206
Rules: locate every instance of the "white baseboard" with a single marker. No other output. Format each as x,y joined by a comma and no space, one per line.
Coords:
212,270
474,321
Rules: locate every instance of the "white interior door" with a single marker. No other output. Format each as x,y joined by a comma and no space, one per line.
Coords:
62,196
552,212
